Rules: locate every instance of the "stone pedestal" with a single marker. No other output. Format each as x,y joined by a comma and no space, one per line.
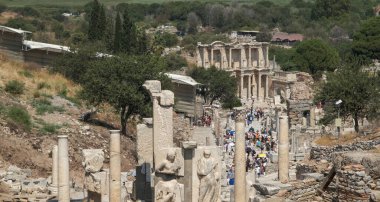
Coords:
63,170
115,166
283,150
240,161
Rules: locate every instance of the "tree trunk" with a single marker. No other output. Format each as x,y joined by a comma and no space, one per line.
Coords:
356,119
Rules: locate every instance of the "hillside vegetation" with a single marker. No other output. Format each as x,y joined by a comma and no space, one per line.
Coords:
18,3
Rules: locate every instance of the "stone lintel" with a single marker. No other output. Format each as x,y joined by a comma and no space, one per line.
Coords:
153,86
189,144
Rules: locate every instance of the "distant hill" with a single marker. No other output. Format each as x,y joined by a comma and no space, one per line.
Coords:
19,3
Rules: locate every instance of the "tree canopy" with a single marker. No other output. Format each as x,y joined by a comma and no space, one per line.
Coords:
367,39
359,91
313,56
219,85
118,81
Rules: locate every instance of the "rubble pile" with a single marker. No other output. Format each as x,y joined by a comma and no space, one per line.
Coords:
304,190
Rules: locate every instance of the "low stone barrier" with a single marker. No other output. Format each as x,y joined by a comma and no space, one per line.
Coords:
304,191
323,152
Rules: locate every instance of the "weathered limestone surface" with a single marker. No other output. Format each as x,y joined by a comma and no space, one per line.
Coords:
144,142
63,177
305,190
283,150
115,166
267,189
169,191
240,160
92,160
198,154
35,185
161,156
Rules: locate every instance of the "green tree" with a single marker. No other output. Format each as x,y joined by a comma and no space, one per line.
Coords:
118,34
97,22
359,91
315,56
218,84
175,61
367,40
165,39
330,8
129,36
118,81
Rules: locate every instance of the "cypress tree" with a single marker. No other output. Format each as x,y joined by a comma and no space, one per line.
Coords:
101,23
128,40
118,34
93,29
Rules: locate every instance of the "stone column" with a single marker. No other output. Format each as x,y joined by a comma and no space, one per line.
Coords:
258,86
205,57
241,85
266,86
230,61
212,57
249,87
312,117
115,166
283,150
240,161
54,180
250,56
188,155
63,170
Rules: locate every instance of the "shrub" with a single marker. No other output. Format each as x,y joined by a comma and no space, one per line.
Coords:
19,116
50,128
15,87
26,73
42,85
43,106
3,7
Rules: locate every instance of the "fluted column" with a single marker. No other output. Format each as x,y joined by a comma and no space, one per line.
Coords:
283,150
250,56
63,170
241,85
212,57
240,161
115,167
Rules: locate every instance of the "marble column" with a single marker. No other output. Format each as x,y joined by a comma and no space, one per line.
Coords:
250,57
312,117
63,170
249,87
283,150
212,57
54,180
258,86
266,86
115,166
241,85
188,155
230,61
239,160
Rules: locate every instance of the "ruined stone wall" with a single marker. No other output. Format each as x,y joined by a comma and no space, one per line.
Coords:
304,191
322,152
296,109
352,184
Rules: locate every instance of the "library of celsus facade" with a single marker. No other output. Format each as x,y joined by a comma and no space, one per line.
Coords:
248,62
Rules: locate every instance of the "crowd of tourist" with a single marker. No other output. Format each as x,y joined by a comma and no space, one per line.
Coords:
259,145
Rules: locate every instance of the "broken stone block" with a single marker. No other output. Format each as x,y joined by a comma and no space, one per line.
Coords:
36,185
92,160
266,189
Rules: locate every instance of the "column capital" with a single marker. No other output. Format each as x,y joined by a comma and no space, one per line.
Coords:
239,114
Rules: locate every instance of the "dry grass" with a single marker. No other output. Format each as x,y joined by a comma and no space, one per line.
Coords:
330,140
32,76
